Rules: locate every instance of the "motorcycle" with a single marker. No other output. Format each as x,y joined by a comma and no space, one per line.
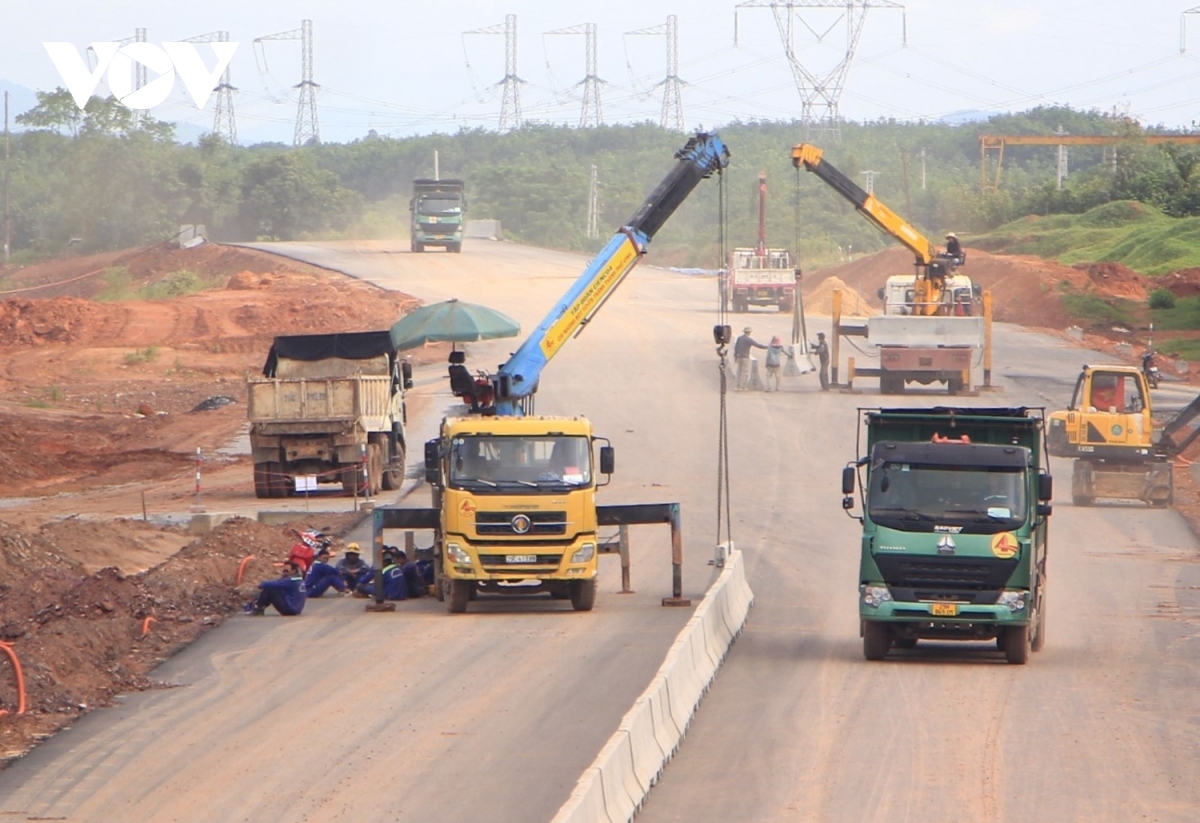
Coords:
1149,370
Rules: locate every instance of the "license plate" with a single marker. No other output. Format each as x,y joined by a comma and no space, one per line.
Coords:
520,558
945,609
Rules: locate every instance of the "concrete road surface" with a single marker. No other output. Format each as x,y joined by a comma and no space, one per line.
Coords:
492,715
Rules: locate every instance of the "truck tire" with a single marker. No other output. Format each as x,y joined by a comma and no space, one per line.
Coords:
418,247
262,480
1016,645
460,596
954,385
454,248
784,307
583,595
1039,633
277,481
374,468
393,476
352,480
876,640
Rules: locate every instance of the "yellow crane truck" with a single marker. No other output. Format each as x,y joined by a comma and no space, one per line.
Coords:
514,495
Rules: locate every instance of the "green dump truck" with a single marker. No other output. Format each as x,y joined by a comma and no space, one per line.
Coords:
438,209
955,517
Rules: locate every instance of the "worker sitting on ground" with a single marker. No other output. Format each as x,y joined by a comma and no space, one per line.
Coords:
287,593
395,587
353,569
322,574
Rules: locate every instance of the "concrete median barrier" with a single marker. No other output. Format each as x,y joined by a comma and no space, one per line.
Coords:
614,787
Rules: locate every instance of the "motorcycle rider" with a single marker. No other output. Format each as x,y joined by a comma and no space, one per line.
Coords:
1149,370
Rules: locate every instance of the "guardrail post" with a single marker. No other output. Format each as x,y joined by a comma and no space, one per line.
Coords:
676,598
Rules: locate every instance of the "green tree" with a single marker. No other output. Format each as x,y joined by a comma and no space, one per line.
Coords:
287,195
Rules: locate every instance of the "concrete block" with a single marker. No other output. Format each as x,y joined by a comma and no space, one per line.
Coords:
586,803
755,383
1074,333
1123,349
622,794
204,522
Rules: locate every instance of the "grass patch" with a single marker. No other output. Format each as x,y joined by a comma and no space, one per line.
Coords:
176,284
146,355
1185,314
1187,348
1100,311
118,285
1135,234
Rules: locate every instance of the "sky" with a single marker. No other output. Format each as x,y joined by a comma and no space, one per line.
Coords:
402,68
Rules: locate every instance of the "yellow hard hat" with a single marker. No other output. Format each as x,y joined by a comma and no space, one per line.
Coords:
353,547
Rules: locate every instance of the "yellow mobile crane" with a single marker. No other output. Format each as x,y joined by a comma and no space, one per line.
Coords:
911,347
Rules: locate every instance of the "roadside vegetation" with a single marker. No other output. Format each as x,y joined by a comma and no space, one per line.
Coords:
97,180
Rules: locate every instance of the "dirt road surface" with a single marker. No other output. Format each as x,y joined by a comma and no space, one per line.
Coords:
493,715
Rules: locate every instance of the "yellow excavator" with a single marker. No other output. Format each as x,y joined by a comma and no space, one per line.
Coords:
1109,430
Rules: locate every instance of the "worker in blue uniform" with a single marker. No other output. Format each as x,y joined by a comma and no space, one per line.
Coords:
287,593
353,568
394,585
322,575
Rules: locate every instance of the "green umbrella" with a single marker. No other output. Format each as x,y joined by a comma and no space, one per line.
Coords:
451,321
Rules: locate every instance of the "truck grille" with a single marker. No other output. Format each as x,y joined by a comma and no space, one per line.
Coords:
975,580
502,523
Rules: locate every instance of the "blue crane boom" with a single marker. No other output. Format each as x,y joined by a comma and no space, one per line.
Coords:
517,379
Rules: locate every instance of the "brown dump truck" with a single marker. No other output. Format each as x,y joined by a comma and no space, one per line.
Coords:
329,408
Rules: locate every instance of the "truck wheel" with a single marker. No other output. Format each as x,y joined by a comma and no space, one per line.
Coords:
785,307
352,480
277,481
1039,634
454,248
418,247
262,480
460,595
875,640
1016,645
583,595
954,385
374,468
393,477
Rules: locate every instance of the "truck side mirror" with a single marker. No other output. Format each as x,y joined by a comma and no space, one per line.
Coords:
608,459
882,293
1044,509
432,462
406,373
1045,487
848,478
976,289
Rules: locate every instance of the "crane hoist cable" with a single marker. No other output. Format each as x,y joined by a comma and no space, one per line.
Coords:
722,335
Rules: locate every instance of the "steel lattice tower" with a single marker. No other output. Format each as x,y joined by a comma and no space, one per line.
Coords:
307,128
510,106
672,105
224,123
819,93
590,114
139,70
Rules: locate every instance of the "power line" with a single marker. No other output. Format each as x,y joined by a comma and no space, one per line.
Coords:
510,105
306,109
224,123
672,105
820,93
590,114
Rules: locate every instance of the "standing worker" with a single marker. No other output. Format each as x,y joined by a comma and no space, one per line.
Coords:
821,350
741,356
775,354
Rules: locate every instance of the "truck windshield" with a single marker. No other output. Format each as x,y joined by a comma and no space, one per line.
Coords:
439,205
550,463
916,497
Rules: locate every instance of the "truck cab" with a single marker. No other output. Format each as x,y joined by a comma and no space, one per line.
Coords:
518,506
760,279
438,208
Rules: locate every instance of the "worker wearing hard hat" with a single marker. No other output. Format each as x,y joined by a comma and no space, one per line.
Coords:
953,247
